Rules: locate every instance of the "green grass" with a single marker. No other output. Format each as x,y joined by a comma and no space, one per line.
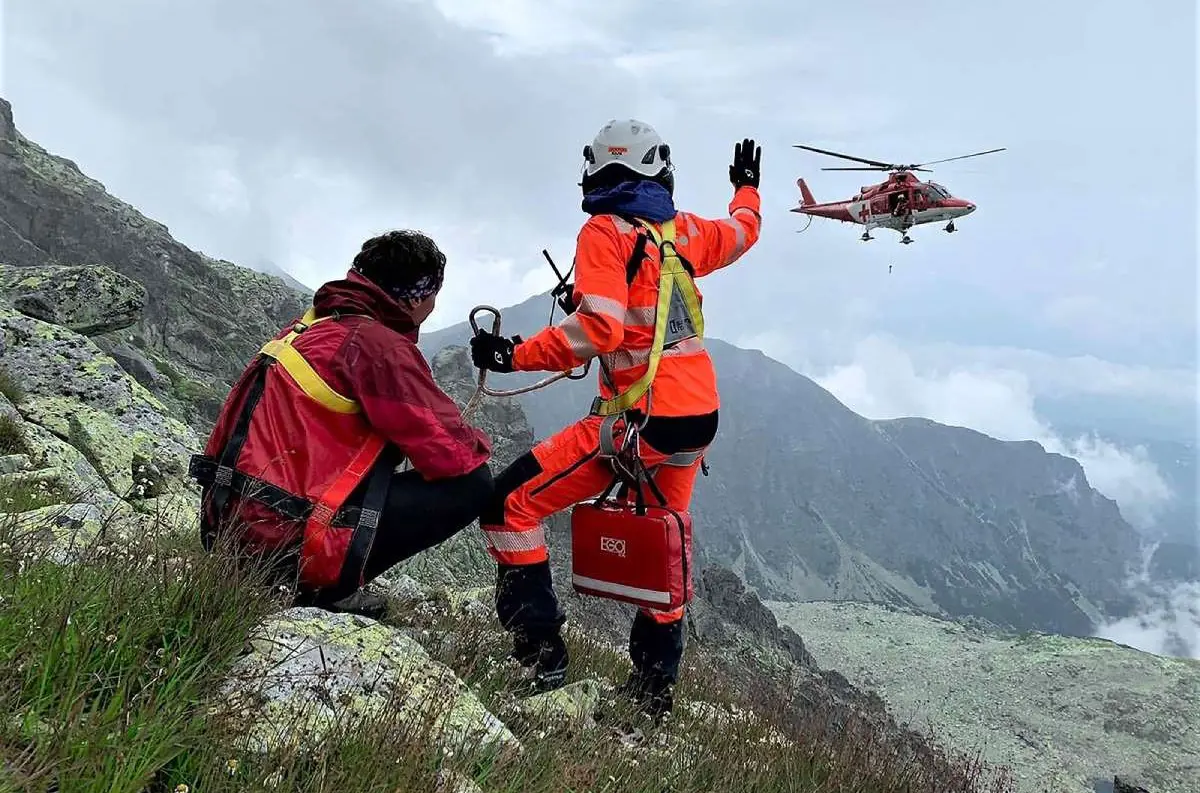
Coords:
12,438
110,666
10,388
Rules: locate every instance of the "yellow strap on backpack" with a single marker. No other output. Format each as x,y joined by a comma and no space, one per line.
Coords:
673,276
302,372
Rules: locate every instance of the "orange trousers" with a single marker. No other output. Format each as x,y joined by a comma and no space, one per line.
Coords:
568,470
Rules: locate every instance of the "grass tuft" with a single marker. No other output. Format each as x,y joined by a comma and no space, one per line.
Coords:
12,436
10,388
112,665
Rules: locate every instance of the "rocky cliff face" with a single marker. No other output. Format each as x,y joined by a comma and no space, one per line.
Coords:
808,500
205,318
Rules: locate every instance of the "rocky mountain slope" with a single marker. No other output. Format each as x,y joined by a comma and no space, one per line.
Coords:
202,318
92,475
808,500
1063,713
103,392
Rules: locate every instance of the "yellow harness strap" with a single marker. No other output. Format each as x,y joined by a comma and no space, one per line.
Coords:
673,279
302,372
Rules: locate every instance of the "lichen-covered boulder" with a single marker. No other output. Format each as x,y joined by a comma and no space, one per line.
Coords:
81,395
573,705
309,670
175,514
87,299
78,478
64,533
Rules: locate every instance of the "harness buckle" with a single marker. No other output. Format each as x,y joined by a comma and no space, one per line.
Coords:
322,514
224,476
368,518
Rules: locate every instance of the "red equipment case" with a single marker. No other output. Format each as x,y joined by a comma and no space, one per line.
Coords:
633,552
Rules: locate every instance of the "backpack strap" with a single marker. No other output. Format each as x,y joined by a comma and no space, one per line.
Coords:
302,372
675,279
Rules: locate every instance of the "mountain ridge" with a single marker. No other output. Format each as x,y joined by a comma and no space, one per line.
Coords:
809,500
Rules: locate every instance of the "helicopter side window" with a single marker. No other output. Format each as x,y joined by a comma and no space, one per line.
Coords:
937,191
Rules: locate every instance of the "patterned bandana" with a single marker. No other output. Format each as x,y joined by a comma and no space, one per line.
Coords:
422,288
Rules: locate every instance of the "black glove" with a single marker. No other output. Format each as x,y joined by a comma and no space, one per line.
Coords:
747,164
565,297
492,352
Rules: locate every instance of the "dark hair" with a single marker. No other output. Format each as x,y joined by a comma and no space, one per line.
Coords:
613,175
405,263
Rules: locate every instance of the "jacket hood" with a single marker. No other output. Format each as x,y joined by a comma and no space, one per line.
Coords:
356,294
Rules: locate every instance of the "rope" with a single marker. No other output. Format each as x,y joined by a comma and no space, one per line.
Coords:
481,389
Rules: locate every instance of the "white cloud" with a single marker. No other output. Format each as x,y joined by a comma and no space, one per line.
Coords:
1169,624
532,27
882,382
1170,628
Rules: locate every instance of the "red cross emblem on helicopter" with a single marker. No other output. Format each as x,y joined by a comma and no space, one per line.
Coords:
864,211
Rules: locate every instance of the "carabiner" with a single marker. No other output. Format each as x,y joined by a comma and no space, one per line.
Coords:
482,388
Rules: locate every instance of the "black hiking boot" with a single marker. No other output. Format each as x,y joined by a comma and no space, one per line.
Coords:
652,695
547,657
367,604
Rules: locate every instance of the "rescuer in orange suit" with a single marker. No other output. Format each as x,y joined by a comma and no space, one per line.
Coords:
627,176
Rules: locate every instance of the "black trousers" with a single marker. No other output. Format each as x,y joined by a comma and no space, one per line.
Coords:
417,516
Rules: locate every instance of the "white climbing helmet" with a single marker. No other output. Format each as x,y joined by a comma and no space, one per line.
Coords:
631,143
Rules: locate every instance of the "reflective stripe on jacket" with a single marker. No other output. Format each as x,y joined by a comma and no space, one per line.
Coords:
615,321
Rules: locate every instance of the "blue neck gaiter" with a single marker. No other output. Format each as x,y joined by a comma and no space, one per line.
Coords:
643,199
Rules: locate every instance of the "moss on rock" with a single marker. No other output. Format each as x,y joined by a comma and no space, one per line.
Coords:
308,667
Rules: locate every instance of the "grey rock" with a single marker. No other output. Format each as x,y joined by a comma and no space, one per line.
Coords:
573,705
88,300
137,365
14,463
1126,785
307,668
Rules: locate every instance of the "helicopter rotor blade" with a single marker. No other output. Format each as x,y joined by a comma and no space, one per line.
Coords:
876,163
927,170
961,157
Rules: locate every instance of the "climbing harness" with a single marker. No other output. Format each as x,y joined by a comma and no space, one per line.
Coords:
677,316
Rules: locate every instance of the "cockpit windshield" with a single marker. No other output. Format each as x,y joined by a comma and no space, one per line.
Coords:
938,191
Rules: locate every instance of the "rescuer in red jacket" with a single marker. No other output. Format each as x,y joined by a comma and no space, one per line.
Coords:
301,464
628,189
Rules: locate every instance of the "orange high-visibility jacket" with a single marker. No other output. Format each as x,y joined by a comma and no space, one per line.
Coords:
615,321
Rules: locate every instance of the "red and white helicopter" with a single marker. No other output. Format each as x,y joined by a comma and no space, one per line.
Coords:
899,203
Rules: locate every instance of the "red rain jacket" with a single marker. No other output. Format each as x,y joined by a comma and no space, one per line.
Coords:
368,355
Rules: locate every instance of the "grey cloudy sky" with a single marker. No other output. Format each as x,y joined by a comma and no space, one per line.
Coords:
289,130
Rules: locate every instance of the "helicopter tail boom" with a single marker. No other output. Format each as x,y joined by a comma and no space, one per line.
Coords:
806,196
